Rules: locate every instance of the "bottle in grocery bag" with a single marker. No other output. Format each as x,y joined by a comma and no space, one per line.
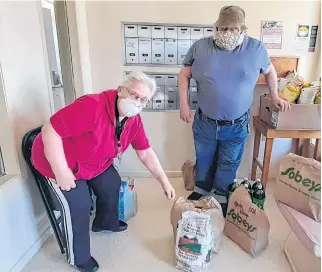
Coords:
247,185
232,187
259,194
258,185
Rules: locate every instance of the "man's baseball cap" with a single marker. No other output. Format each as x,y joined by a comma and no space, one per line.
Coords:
231,16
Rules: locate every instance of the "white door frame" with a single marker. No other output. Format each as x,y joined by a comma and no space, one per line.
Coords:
46,59
67,43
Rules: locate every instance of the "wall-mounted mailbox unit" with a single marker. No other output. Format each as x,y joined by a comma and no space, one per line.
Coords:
184,33
149,105
158,32
171,80
131,31
159,99
132,50
171,46
158,51
196,33
160,79
207,32
193,101
144,31
145,50
160,44
183,48
171,94
171,32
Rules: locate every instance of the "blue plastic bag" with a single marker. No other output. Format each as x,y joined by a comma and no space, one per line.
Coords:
128,205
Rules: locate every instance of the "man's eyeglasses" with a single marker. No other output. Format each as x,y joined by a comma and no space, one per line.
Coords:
231,29
135,96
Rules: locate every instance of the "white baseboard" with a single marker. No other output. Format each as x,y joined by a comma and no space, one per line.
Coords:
175,174
45,231
147,174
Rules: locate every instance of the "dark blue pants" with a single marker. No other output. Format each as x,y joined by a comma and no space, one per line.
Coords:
76,206
219,151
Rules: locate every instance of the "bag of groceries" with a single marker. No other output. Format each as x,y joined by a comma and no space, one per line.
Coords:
308,95
290,87
128,204
194,241
205,205
188,173
299,185
317,99
246,224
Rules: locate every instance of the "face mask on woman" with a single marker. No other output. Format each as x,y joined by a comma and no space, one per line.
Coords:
228,40
130,107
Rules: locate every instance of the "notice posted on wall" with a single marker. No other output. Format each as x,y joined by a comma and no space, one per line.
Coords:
272,33
302,37
313,37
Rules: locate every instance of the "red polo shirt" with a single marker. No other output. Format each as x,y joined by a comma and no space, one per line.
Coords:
87,128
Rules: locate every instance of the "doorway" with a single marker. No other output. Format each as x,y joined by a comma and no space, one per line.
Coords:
59,52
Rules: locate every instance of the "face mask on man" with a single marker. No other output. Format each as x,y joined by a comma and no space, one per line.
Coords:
130,107
228,40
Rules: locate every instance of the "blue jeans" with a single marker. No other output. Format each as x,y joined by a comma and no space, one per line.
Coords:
219,150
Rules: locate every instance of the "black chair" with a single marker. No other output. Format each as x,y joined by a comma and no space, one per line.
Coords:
51,201
49,198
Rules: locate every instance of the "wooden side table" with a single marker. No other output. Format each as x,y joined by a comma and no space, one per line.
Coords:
261,128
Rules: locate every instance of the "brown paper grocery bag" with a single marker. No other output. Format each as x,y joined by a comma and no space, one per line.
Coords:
188,173
299,185
246,224
207,205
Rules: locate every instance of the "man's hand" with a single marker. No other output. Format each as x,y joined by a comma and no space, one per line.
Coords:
280,103
150,160
271,80
169,190
65,179
186,113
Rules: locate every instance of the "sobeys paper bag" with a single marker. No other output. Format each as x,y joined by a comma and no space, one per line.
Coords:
299,185
206,205
246,224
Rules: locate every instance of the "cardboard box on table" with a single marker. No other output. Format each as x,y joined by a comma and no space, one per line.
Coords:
300,117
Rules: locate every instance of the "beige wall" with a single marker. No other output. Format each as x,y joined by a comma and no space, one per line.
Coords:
23,221
171,138
26,81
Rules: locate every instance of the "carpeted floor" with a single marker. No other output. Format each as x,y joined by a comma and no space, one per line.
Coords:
148,243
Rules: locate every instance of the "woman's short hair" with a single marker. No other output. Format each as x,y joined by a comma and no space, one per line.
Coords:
142,77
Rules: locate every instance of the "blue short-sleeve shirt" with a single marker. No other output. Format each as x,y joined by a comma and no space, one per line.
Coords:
226,79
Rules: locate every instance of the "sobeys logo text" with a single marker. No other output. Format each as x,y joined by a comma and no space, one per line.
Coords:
236,217
306,182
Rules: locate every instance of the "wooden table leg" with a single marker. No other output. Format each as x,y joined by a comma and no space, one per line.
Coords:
317,150
257,139
267,160
299,147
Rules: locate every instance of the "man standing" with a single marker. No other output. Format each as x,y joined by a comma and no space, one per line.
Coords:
226,68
